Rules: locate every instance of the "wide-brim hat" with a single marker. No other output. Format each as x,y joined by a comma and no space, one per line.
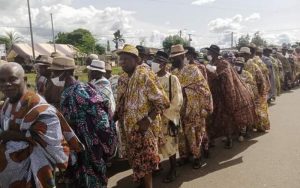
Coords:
162,56
43,60
97,65
177,50
214,48
62,63
191,50
245,50
129,49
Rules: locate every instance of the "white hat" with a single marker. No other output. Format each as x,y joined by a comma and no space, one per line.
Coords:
97,65
245,50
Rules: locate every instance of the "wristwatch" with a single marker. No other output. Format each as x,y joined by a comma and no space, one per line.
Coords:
149,119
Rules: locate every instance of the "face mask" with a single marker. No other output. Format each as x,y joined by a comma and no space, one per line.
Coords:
155,67
57,82
149,62
209,57
274,51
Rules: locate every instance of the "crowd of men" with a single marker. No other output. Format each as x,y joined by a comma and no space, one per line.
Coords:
161,105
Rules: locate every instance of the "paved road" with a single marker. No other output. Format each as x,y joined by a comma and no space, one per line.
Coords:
269,160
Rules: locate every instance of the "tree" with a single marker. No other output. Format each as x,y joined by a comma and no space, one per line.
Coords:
80,38
173,40
243,41
99,49
258,40
118,38
10,38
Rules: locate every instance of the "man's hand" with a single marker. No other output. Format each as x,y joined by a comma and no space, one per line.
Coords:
144,124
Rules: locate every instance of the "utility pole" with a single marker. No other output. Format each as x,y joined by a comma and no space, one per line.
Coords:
190,39
32,43
180,33
53,33
231,39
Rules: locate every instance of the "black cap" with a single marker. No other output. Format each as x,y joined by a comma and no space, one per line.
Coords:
162,56
215,49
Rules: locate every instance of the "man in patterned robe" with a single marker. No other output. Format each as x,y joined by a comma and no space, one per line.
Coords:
197,104
34,137
140,100
234,105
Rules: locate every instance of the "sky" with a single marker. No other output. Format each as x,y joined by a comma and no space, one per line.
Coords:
150,21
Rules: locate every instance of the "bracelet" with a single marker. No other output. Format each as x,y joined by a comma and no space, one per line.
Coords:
149,119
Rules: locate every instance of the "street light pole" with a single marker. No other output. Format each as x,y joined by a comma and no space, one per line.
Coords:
32,43
54,46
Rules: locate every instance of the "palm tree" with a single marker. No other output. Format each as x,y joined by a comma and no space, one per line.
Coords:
11,37
118,38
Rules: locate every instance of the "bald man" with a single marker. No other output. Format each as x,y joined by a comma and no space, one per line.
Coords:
32,133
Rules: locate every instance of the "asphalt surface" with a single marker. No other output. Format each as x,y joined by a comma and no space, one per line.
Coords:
267,160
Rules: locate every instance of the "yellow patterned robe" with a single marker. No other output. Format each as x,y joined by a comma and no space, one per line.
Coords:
197,102
137,96
259,73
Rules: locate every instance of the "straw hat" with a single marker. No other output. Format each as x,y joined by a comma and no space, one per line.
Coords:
245,50
43,60
129,49
177,50
97,65
62,63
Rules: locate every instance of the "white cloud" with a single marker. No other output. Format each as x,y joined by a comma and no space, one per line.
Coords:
202,2
221,25
253,17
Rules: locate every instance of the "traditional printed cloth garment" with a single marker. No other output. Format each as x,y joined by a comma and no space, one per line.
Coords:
114,84
197,99
137,95
258,78
264,69
104,88
297,64
202,69
170,146
268,62
276,63
84,108
263,110
234,106
261,95
32,163
249,81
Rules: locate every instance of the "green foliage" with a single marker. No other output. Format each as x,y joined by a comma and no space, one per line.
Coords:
9,39
243,41
80,38
173,40
99,49
258,40
118,37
